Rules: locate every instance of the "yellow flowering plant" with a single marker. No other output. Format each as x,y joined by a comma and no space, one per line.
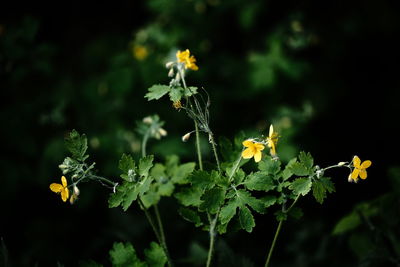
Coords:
216,197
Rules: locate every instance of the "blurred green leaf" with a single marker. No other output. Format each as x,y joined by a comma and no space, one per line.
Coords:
124,255
347,223
77,145
155,255
157,91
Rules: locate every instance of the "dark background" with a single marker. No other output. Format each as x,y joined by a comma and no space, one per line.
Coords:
325,74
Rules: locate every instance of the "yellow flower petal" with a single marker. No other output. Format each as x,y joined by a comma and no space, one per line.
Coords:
64,181
257,156
56,188
259,147
366,164
356,162
271,131
248,153
363,174
355,173
248,143
64,194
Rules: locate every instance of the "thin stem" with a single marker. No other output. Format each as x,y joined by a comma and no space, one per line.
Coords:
278,229
150,220
162,234
215,151
212,239
198,145
144,143
235,167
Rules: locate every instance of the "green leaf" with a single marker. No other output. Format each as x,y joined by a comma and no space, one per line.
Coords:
246,219
301,186
287,173
202,179
259,181
239,176
229,210
246,198
268,200
124,256
145,164
320,187
306,159
150,198
175,94
190,215
77,145
127,166
212,200
269,165
182,172
280,216
298,169
155,255
157,91
190,196
347,223
189,91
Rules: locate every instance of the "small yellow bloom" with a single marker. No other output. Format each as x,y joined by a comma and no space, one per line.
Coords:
253,150
272,140
61,188
360,168
189,61
140,52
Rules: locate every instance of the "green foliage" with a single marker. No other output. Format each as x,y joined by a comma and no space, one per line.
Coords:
347,223
130,189
301,186
157,91
175,93
77,145
321,187
260,181
302,167
124,255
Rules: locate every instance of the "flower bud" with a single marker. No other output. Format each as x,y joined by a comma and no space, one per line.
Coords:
186,137
148,120
76,190
169,64
162,132
171,73
62,166
341,163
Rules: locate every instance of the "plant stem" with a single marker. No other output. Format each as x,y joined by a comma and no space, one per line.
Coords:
211,137
144,143
150,220
273,243
212,239
162,235
198,145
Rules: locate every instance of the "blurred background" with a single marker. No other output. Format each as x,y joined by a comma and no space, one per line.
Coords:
324,73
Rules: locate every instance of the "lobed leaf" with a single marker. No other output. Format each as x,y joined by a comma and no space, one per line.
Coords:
246,219
259,181
155,255
157,91
301,186
77,145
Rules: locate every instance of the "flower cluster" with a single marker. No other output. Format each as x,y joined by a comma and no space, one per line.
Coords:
254,147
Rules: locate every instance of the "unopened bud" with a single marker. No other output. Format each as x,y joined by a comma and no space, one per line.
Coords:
162,132
169,64
148,120
171,73
74,176
62,166
76,190
351,180
342,163
186,137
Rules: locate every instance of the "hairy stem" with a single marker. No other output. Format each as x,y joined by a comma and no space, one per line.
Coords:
211,136
213,234
162,234
198,145
278,229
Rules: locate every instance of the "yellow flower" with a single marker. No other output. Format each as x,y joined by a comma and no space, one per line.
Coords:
272,140
360,168
253,150
61,188
189,61
140,52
